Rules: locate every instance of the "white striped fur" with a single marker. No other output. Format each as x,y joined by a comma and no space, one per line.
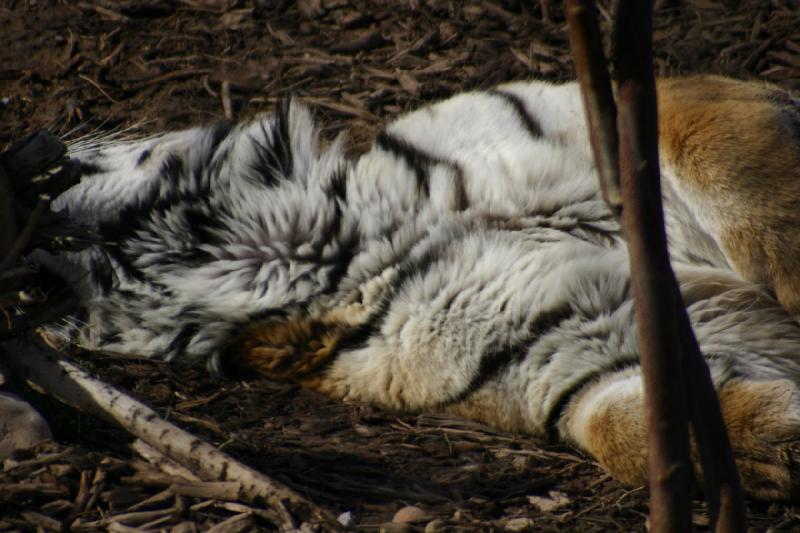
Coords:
466,263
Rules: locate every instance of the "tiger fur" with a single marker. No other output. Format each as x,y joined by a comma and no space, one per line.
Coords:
467,263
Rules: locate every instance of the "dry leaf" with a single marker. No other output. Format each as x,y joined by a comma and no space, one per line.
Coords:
549,503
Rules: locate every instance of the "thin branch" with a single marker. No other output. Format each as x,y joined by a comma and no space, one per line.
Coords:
669,352
225,96
58,377
639,160
723,489
653,282
598,97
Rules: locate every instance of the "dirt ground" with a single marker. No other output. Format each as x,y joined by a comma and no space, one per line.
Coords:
75,67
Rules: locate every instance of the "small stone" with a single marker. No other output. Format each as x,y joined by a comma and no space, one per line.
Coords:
21,427
347,519
518,524
409,514
435,526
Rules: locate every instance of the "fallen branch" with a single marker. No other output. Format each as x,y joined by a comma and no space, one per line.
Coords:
162,462
62,379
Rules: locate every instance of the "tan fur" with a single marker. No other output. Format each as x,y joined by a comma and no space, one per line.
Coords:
290,350
610,424
731,149
763,420
734,148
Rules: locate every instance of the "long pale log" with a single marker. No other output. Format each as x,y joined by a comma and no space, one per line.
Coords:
62,379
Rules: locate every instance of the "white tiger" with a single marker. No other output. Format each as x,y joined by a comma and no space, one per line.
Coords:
466,263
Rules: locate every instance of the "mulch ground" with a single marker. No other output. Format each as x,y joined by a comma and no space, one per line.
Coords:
76,67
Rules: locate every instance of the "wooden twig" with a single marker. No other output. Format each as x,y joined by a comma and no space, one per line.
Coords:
653,282
52,373
162,462
225,96
97,86
668,321
598,97
671,360
721,481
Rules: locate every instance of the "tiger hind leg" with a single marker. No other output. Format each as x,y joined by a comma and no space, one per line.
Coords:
608,420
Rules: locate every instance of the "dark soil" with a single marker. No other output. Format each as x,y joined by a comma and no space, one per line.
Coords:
77,67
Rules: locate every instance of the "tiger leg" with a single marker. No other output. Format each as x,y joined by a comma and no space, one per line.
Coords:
731,151
608,420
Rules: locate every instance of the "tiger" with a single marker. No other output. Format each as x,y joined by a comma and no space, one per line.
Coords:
466,263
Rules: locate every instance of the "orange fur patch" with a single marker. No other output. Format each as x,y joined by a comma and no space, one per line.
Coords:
762,421
297,350
735,151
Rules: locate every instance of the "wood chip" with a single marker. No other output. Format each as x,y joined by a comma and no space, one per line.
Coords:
12,490
368,40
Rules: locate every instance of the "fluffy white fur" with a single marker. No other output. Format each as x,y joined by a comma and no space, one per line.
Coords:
468,255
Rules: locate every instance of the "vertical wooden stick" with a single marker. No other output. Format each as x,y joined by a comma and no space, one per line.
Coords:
655,294
598,97
639,161
669,352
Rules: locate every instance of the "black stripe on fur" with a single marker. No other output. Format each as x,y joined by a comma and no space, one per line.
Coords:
496,358
526,119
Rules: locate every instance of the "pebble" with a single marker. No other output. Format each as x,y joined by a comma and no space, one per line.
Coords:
347,519
20,426
408,514
435,526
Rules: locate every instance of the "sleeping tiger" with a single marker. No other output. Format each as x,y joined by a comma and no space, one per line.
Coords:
466,263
